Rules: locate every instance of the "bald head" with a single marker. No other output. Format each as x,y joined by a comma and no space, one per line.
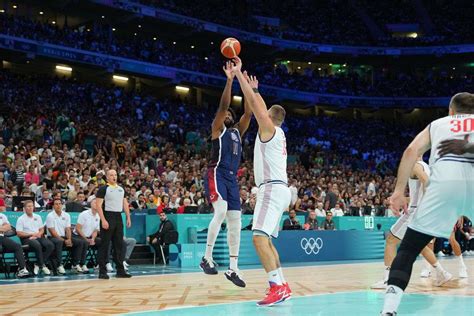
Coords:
462,103
111,176
277,114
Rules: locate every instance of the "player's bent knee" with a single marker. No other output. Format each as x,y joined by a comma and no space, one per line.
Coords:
391,239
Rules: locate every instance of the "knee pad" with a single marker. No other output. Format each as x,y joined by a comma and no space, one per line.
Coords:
220,210
234,219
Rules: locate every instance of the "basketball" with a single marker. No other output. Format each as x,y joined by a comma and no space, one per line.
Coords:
230,47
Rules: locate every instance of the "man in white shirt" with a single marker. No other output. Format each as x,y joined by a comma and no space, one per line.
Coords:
320,212
9,245
59,231
337,210
86,231
30,229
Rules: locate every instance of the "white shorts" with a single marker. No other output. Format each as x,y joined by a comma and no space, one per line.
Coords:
449,194
400,227
272,200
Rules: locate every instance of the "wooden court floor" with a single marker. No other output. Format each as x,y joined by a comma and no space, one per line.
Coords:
142,293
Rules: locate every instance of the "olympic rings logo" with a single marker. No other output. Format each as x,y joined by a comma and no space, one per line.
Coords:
311,245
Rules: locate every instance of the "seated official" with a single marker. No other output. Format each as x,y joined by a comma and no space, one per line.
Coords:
58,224
292,222
86,230
157,238
30,230
311,222
8,245
328,222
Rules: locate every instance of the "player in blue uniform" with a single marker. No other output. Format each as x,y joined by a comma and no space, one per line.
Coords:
221,182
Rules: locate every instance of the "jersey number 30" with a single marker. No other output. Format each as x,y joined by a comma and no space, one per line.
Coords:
466,125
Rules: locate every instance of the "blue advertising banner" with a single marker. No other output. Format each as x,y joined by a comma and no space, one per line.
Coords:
308,246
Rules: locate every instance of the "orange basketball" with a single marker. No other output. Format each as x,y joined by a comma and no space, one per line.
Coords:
230,47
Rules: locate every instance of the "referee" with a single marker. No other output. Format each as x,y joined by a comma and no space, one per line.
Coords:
110,200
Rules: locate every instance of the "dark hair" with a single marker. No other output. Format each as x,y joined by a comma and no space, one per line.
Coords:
232,112
462,103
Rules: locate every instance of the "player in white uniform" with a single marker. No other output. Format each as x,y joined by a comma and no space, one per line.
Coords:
417,184
450,192
273,196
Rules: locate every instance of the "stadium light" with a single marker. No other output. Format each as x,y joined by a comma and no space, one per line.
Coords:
54,22
2,11
174,43
14,6
154,38
113,29
120,78
41,12
192,46
309,63
139,26
182,89
237,98
63,68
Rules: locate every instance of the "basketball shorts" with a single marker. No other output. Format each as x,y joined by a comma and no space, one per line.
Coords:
223,184
272,200
400,227
449,194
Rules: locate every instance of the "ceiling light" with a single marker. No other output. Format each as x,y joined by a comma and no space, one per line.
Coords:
120,78
182,89
63,68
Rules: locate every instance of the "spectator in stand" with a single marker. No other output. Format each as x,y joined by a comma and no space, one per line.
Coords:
320,212
337,210
45,202
3,205
328,223
291,223
331,196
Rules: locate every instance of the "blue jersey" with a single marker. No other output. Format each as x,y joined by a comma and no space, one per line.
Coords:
227,151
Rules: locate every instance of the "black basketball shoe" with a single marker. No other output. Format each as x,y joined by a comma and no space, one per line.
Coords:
208,266
235,278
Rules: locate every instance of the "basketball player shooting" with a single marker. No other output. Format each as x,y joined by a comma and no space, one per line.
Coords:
448,195
273,197
221,181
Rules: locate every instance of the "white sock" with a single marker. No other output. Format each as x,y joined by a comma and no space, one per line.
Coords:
393,297
234,226
386,273
438,267
220,209
280,273
461,260
274,277
233,263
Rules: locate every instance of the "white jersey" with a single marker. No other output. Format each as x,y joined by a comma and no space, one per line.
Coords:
451,127
416,188
270,159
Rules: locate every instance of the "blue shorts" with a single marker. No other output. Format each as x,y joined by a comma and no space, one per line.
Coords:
222,183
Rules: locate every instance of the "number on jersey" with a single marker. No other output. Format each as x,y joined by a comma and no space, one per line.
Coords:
465,126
